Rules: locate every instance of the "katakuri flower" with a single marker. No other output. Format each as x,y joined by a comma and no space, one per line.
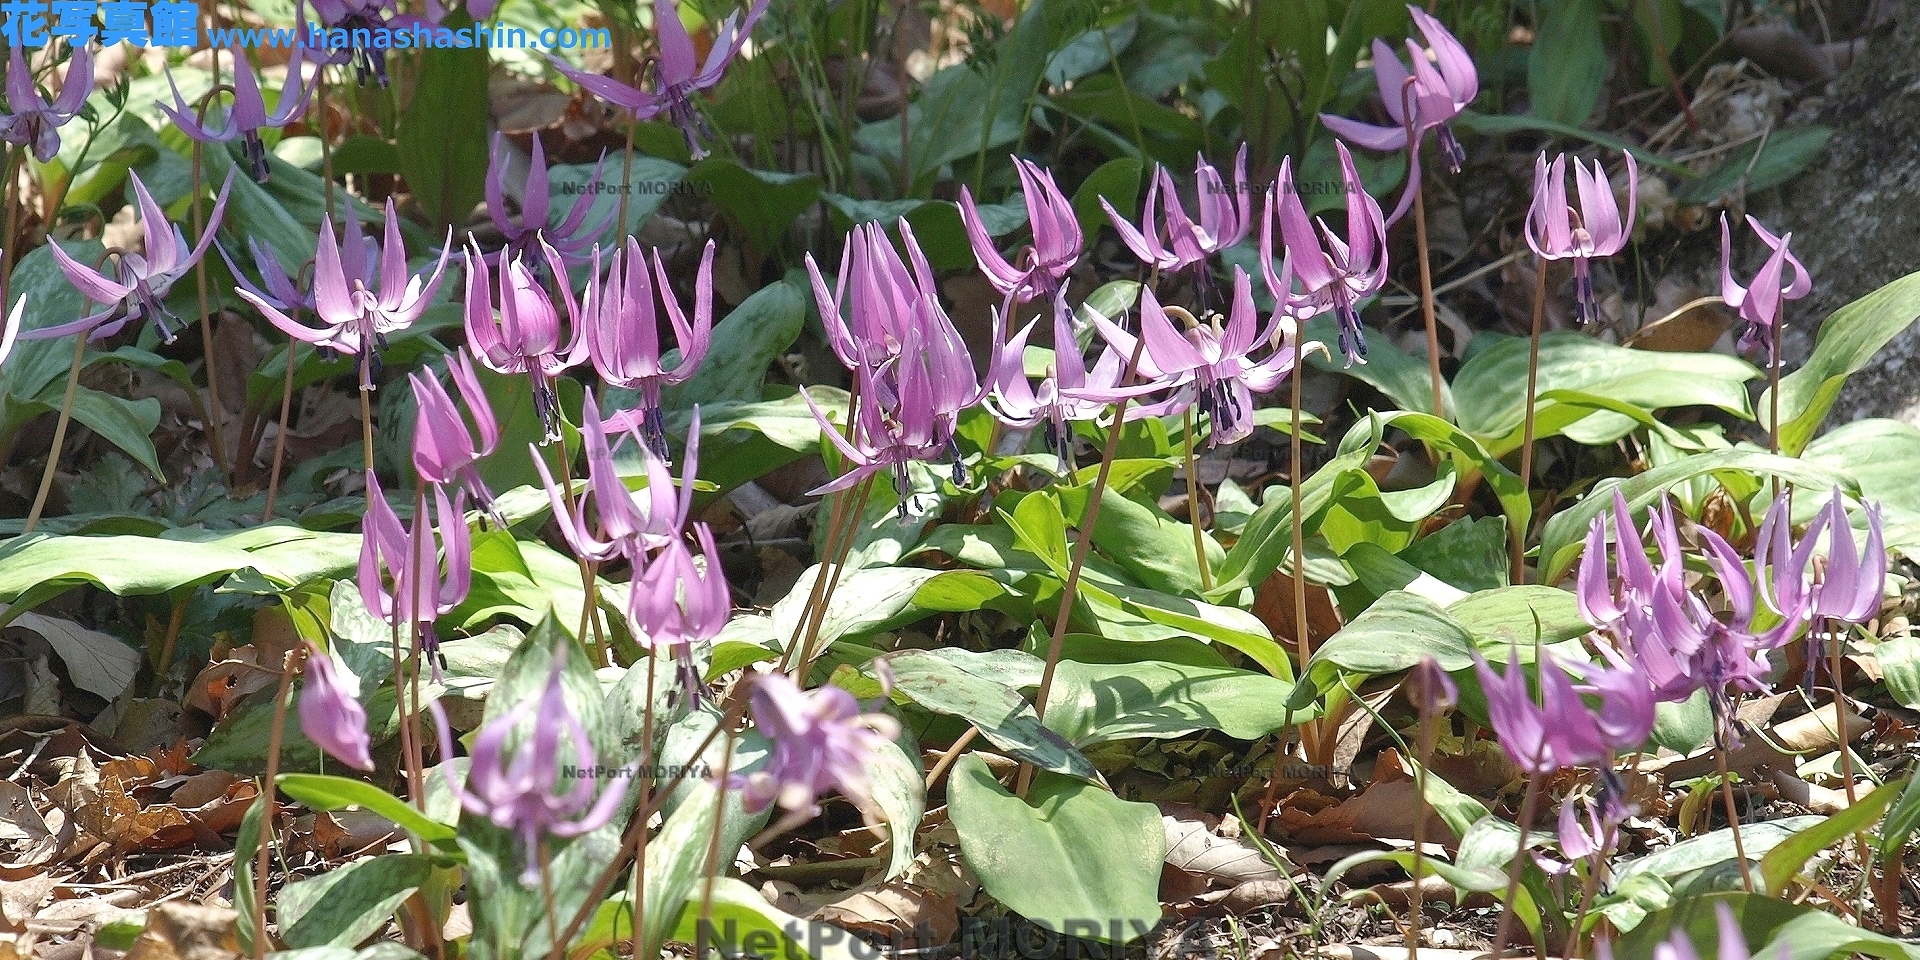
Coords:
248,113
33,122
524,793
1334,274
283,289
353,318
679,74
1226,214
1208,364
1761,303
821,742
1560,730
675,602
1556,231
896,422
1057,240
1058,399
330,711
1427,99
416,589
141,280
526,338
631,524
623,332
571,238
1846,588
444,451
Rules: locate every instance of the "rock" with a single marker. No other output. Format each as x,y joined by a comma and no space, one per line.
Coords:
1855,215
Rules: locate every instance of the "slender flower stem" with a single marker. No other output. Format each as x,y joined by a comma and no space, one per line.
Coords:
1596,866
1529,806
1424,745
713,839
366,421
263,845
1834,665
1070,591
211,405
626,181
837,519
1193,513
9,209
1733,814
1302,644
410,719
1427,309
326,143
1517,536
280,437
59,435
819,611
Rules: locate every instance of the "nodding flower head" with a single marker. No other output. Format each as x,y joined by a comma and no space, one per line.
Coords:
137,289
1761,303
821,741
679,74
248,114
1556,231
526,338
623,332
444,451
1334,273
31,121
523,792
571,238
1226,214
1057,240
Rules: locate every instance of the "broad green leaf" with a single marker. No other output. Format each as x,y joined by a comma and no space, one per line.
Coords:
1071,857
650,181
1515,615
978,688
1900,664
745,441
442,133
1266,542
1783,862
1847,342
676,860
1709,849
1767,162
1096,703
743,345
1116,181
328,793
899,789
1568,63
346,905
1886,476
764,203
1391,636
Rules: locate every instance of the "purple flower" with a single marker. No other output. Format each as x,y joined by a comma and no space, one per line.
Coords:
32,121
1056,238
675,601
1226,214
330,711
353,318
679,74
443,450
249,111
143,279
1761,302
1851,586
623,332
1560,730
570,239
526,337
1436,92
626,526
1335,274
415,591
1431,687
523,793
1058,400
1209,364
821,742
895,423
279,288
1556,231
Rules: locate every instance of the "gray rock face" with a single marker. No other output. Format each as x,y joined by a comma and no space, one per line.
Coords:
1855,214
